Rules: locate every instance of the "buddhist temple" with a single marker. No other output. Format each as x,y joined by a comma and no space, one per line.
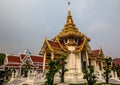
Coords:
75,45
70,42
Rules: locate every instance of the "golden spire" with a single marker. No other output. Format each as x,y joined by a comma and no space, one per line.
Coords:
69,14
69,17
69,28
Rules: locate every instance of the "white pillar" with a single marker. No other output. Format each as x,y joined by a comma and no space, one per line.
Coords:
98,65
28,77
95,65
52,55
20,71
102,70
87,59
80,62
80,66
44,61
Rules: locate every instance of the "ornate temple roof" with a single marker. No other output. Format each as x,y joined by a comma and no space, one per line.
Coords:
22,56
19,60
12,58
36,58
95,53
69,31
51,45
98,53
70,28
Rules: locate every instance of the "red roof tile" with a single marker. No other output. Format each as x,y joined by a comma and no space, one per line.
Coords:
36,58
116,61
12,58
95,53
55,44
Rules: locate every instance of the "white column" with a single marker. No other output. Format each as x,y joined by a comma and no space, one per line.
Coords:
87,59
95,65
79,66
44,61
101,71
28,77
52,55
80,62
93,62
70,65
20,71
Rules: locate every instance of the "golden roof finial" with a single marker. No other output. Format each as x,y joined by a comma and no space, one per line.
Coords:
69,14
68,5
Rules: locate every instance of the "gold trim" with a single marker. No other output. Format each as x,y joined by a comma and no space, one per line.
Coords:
49,46
80,47
61,45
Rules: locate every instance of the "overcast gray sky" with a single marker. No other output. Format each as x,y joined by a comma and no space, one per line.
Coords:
24,24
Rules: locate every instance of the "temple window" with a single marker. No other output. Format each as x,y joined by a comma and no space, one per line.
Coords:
83,60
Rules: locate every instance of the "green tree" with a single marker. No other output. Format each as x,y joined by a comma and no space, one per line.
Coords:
107,69
8,73
2,58
26,68
2,77
54,67
63,69
89,75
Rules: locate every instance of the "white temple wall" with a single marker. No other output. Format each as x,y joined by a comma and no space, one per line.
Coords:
73,64
93,63
97,67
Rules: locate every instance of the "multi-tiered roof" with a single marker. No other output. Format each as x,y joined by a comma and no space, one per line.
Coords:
69,31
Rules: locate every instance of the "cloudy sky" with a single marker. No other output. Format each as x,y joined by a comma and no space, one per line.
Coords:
24,24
